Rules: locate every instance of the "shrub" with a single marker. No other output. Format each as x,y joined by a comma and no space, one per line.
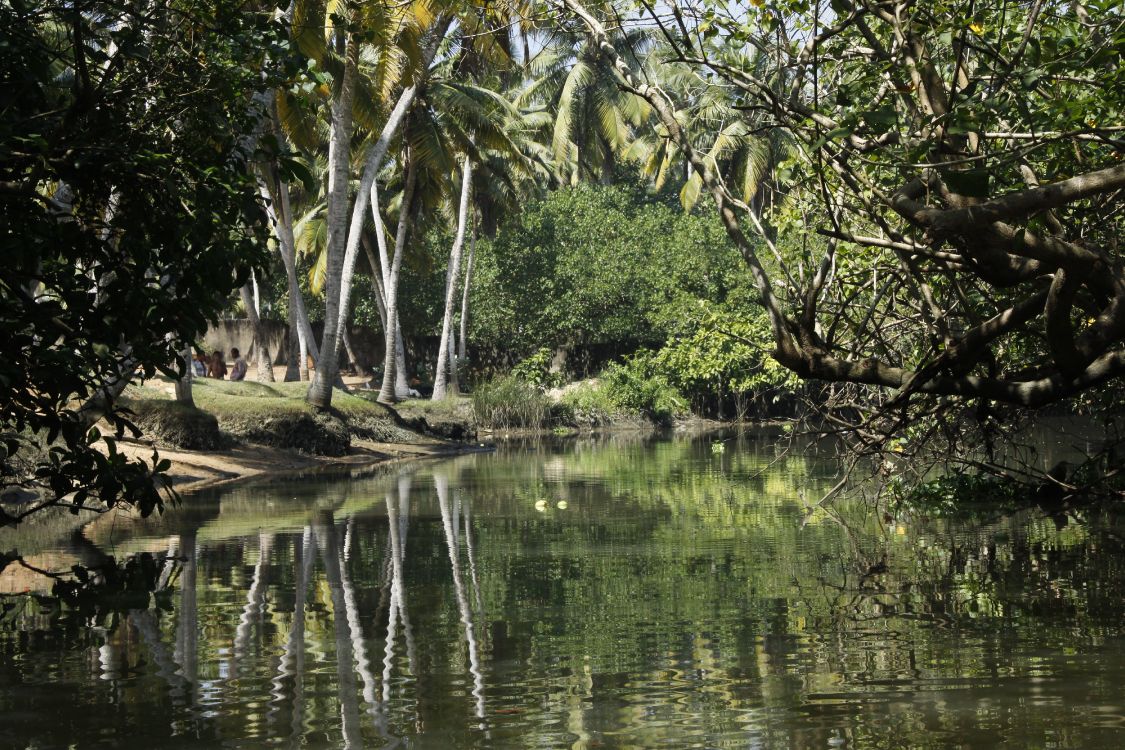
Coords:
536,370
586,405
510,402
639,387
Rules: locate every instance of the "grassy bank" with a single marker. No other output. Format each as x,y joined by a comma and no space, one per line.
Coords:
273,414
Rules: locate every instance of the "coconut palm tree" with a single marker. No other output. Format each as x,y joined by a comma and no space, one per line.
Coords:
592,119
424,35
729,140
446,372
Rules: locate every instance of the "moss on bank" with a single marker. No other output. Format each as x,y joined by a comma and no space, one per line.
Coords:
172,423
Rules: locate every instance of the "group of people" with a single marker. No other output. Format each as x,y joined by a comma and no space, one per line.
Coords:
216,367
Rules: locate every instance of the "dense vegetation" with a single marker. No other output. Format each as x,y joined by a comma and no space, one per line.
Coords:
916,206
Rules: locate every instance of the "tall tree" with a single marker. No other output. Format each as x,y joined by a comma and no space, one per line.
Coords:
122,234
446,371
962,192
339,157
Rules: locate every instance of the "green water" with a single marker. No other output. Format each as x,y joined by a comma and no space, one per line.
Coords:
597,594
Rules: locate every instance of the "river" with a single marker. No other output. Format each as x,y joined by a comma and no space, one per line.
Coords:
595,593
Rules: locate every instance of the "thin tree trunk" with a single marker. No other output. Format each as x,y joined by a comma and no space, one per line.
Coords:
441,376
402,387
303,363
261,348
339,160
292,359
453,388
387,393
463,342
377,280
183,385
353,362
281,217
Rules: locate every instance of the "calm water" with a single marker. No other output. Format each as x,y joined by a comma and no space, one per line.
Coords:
618,593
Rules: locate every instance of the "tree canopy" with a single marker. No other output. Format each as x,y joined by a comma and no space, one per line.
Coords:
128,219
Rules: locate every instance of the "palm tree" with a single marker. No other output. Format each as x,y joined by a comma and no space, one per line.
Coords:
594,117
339,157
723,134
343,236
452,121
446,371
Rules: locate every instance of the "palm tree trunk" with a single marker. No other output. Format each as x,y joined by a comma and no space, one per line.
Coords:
353,362
453,387
372,164
463,345
382,281
339,161
377,280
387,393
402,388
293,352
441,375
261,348
276,192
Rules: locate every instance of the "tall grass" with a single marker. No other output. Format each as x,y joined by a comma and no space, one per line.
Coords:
510,402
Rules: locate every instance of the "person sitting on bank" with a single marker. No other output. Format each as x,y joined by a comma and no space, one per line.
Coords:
238,370
217,368
199,365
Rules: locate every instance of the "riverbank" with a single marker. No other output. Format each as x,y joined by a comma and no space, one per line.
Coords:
236,432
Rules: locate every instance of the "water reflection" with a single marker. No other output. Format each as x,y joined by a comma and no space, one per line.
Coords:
621,593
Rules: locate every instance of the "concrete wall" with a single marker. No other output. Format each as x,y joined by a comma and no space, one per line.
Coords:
239,333
368,344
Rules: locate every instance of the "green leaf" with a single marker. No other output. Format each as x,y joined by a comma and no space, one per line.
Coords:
971,183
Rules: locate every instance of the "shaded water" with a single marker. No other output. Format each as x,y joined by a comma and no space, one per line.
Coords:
618,593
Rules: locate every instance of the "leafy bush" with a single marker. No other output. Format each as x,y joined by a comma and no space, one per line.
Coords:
639,386
509,402
536,370
587,405
715,355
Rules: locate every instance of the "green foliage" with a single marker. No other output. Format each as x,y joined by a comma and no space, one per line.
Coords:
716,351
596,265
536,370
640,387
129,214
961,495
586,405
509,402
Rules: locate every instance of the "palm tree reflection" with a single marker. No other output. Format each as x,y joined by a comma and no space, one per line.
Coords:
343,551
451,526
291,666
